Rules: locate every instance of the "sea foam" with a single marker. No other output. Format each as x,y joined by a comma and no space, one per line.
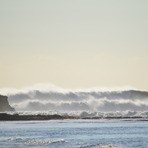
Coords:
82,102
41,142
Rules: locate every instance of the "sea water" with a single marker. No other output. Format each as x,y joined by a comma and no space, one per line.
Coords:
74,134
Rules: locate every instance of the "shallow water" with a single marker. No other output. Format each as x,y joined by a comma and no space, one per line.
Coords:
74,134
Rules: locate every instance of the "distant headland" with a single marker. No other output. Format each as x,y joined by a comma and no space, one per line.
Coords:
4,105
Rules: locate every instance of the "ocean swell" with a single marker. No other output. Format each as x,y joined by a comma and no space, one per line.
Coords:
90,101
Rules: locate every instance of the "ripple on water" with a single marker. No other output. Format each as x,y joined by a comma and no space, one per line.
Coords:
41,142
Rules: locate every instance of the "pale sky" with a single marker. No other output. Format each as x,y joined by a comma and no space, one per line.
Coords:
74,43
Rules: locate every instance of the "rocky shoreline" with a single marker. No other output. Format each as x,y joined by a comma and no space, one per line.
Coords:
17,117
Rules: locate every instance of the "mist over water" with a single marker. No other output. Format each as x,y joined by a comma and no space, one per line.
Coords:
88,102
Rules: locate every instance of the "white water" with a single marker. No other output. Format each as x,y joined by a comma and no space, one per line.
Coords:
49,99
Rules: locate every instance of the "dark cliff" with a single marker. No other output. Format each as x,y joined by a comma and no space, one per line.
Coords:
4,105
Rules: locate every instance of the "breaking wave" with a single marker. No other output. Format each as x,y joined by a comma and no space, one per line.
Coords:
41,142
86,102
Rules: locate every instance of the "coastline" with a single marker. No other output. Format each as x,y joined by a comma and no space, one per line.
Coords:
17,117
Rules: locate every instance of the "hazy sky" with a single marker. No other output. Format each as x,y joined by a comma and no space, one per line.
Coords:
74,43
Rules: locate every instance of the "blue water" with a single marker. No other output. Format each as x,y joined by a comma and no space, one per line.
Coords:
74,134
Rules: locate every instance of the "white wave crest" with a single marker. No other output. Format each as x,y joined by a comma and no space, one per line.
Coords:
14,138
87,114
51,98
41,142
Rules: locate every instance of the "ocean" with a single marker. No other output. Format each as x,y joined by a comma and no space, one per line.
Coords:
74,134
102,104
94,102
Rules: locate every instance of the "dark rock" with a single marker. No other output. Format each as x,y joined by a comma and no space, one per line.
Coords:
16,117
4,105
